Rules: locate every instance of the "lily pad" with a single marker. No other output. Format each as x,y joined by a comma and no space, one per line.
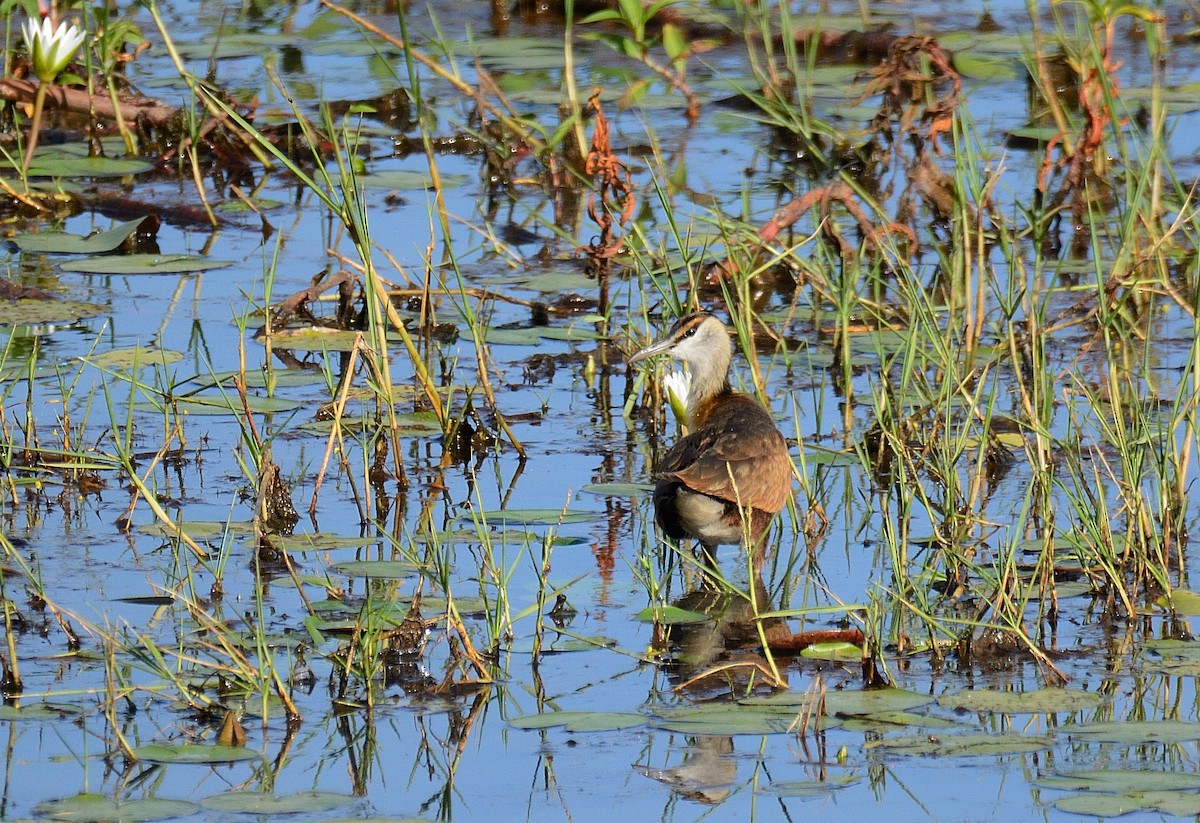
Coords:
257,379
145,264
410,180
618,489
833,651
1098,805
1102,804
226,403
671,615
812,788
1179,804
409,424
30,312
132,356
1040,701
55,242
986,67
1180,658
194,753
535,517
98,808
962,745
1181,601
199,529
1135,732
534,335
579,721
39,711
317,338
725,719
322,541
260,803
500,537
379,569
880,722
1123,781
59,163
564,643
848,701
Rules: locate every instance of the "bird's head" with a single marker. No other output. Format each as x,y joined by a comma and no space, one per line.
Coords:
699,340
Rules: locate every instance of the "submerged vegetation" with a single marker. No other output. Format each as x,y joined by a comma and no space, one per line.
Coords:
409,478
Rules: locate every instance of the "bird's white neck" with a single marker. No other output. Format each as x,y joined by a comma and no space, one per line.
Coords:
710,377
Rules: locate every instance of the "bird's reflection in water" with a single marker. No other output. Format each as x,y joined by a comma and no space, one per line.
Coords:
706,774
716,658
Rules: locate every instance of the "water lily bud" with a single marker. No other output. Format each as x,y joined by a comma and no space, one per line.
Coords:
51,51
677,385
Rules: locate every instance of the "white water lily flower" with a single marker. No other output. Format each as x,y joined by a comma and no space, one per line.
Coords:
51,50
677,384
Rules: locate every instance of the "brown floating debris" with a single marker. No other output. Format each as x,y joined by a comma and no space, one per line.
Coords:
796,643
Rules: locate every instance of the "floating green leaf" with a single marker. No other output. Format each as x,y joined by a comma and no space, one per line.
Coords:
961,745
199,529
257,378
145,264
1122,781
534,335
97,808
30,312
882,721
58,162
62,243
1134,732
1181,601
833,651
500,537
618,489
816,456
322,541
226,403
534,517
39,711
579,721
410,179
411,424
260,803
318,338
1034,702
1171,656
671,615
988,67
848,701
732,718
132,356
379,569
812,788
194,753
1098,805
1179,804
564,643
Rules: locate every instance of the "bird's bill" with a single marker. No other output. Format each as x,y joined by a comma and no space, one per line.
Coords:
657,347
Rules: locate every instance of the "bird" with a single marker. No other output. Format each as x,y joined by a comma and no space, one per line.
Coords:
727,478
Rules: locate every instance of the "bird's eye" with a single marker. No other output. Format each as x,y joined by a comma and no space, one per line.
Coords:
689,333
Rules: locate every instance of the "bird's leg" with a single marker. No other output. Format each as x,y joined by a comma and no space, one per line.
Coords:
708,555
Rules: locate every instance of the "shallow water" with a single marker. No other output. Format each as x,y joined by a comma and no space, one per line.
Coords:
460,758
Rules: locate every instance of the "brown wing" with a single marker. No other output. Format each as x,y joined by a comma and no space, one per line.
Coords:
737,455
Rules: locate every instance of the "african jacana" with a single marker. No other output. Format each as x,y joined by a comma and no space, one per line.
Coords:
730,475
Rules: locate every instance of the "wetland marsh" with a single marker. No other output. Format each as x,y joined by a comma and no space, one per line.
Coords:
325,481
